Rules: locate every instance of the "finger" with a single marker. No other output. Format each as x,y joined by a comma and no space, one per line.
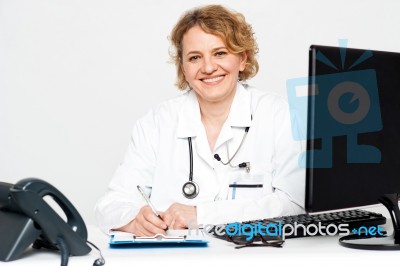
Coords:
144,226
172,225
179,219
180,223
175,221
152,218
155,220
154,224
152,228
141,231
140,228
167,218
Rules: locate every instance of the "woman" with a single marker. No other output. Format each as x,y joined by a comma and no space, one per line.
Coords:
221,124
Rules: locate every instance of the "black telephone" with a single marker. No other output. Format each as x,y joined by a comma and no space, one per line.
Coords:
26,218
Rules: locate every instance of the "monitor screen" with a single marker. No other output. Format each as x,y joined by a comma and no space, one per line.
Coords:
353,129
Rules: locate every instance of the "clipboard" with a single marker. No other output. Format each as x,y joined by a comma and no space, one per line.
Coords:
173,238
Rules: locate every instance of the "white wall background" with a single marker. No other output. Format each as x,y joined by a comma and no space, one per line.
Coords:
76,74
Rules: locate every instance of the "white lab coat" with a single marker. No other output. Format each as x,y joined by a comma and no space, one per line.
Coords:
158,158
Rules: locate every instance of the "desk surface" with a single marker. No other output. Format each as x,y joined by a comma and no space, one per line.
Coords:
317,250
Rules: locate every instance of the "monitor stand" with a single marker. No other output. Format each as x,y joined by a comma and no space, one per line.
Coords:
392,242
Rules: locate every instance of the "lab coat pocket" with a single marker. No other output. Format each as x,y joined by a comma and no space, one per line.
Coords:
246,187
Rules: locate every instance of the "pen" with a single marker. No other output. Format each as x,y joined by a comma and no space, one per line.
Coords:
146,198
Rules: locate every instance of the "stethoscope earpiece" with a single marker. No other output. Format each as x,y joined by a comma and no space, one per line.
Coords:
241,165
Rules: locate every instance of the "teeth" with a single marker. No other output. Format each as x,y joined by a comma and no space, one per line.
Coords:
213,79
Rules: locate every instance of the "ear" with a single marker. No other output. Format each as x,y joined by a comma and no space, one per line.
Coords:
243,61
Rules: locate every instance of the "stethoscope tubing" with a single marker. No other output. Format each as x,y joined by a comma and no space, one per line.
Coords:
190,160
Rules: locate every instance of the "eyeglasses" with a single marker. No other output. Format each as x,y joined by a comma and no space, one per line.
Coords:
256,241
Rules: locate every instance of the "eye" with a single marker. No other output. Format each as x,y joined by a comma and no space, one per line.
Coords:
220,53
194,58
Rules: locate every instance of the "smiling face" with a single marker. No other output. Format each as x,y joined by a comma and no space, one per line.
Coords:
209,68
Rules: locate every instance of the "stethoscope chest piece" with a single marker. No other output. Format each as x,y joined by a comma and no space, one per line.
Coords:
190,189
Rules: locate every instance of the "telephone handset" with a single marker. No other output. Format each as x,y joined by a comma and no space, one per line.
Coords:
26,218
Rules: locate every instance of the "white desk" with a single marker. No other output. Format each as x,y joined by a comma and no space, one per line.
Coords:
315,250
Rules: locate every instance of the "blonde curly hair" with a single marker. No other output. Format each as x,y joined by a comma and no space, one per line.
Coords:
230,26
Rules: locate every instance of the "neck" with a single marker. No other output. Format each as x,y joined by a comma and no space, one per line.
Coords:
213,116
215,113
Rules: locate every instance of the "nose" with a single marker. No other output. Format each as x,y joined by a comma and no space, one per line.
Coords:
209,66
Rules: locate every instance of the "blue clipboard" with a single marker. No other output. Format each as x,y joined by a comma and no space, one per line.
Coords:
174,238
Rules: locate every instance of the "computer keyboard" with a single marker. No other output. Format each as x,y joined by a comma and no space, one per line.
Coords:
349,221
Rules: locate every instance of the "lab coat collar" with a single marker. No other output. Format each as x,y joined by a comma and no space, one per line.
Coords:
189,124
240,114
189,119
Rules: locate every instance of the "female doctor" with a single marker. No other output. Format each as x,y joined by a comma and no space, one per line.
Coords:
221,152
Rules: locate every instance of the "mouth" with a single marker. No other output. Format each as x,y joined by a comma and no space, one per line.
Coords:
213,80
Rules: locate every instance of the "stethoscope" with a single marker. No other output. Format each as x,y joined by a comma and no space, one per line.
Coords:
191,189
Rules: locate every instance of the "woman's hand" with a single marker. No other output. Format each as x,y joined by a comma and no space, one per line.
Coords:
146,223
180,216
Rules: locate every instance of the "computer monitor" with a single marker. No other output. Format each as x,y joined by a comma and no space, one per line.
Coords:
353,130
